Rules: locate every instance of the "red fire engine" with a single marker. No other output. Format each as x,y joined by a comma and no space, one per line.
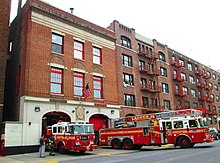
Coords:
72,136
182,128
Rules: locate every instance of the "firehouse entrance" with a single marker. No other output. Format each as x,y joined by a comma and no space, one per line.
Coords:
99,121
52,118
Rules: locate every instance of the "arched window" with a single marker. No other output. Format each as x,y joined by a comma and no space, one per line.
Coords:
126,42
162,56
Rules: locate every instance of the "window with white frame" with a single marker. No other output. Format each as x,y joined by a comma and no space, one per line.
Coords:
127,60
167,105
78,50
97,87
97,55
165,88
163,71
183,76
128,79
189,65
145,102
126,42
193,92
141,65
185,90
57,43
182,62
191,80
129,100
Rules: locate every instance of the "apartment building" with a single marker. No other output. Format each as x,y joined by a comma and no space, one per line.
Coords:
61,67
152,77
4,31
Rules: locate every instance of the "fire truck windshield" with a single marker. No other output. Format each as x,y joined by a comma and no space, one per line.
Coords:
203,122
81,129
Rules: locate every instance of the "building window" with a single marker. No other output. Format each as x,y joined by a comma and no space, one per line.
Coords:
214,76
97,55
129,100
143,83
162,56
191,80
78,50
139,48
56,81
189,66
141,65
145,102
154,102
183,76
182,62
195,105
217,98
185,90
216,87
57,43
165,88
167,105
97,86
128,79
187,104
163,71
147,51
127,60
78,83
126,42
193,92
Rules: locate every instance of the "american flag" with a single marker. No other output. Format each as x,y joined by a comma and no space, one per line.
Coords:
86,92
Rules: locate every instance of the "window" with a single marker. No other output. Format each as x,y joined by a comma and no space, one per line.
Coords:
193,123
216,87
97,86
165,88
162,56
128,79
78,84
191,80
141,65
78,50
187,104
147,51
185,90
129,100
168,125
217,98
126,42
189,66
182,62
97,56
193,92
139,48
177,88
195,105
154,102
56,81
214,76
163,71
178,124
183,76
57,43
167,105
143,83
145,102
127,60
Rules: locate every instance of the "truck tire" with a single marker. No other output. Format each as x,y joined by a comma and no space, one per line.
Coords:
128,144
61,148
116,144
82,152
184,142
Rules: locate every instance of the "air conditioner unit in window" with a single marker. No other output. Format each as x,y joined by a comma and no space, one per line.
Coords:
125,84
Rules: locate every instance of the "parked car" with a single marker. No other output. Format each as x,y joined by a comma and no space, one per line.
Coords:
214,133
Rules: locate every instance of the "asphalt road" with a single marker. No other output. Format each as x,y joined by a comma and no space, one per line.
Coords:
202,153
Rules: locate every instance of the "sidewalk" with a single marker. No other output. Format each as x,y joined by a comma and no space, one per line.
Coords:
101,151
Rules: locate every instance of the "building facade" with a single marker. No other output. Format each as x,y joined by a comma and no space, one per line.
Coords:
4,31
61,68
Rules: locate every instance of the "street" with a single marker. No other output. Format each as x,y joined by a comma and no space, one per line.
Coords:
166,154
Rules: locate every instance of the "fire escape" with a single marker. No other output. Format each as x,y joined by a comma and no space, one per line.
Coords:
152,85
179,80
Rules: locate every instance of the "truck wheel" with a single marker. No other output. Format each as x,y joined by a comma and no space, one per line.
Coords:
82,152
61,148
116,144
128,144
184,142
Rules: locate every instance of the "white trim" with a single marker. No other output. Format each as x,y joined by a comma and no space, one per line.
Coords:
97,74
56,65
78,70
95,45
29,98
113,106
58,32
78,39
80,103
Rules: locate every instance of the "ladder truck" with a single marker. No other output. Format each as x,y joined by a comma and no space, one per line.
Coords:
182,128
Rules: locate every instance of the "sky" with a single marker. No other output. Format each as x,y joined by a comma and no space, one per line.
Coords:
190,27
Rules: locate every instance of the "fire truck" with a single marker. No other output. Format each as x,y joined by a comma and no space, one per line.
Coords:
182,128
72,136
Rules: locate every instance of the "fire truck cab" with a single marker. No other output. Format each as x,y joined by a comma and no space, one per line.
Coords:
73,136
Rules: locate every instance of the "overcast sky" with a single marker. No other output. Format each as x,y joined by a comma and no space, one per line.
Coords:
191,27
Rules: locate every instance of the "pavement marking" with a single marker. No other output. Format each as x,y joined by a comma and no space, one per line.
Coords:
109,154
51,162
